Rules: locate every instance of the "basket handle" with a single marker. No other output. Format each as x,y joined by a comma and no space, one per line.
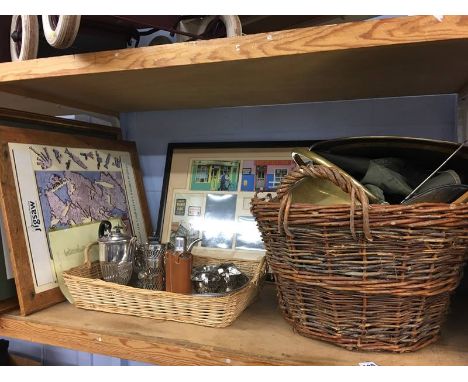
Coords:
301,152
291,180
259,275
87,255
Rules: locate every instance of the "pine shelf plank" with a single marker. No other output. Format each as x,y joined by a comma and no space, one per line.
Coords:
401,56
260,336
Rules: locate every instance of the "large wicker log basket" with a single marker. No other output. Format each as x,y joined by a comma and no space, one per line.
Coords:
368,277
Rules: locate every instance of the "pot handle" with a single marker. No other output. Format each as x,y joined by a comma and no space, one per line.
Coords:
87,255
299,152
328,173
302,152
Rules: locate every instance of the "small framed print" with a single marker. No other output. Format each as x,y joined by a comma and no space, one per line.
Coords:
180,207
207,191
214,175
194,211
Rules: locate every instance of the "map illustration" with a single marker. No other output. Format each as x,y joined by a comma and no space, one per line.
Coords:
64,193
70,198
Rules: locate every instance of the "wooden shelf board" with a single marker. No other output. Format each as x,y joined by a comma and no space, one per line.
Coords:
260,336
8,305
381,58
28,119
38,105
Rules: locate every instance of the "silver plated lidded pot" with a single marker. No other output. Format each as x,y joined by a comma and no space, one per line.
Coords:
114,245
116,251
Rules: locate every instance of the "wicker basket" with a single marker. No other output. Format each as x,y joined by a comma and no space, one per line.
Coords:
90,292
364,277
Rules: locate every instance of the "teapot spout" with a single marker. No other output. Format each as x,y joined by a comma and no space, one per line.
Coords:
192,244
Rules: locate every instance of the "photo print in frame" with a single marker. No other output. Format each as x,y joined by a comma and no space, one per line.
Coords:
207,191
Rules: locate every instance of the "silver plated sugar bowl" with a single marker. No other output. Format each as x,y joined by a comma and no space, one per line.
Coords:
151,266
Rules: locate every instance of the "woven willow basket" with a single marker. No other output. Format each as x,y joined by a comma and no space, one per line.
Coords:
90,292
368,277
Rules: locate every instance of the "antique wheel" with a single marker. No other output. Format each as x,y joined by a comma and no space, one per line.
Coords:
220,26
211,27
160,40
60,31
24,37
190,25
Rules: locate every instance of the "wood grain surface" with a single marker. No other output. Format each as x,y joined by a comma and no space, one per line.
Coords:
363,34
380,58
61,99
8,304
260,336
43,105
10,206
24,119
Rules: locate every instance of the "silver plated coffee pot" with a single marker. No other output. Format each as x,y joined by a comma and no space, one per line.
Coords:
114,245
116,251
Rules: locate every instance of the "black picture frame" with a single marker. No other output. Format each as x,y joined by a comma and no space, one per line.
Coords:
203,146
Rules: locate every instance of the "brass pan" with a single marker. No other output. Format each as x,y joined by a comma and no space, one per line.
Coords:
298,153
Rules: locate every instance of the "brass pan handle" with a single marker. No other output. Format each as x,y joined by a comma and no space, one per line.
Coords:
300,152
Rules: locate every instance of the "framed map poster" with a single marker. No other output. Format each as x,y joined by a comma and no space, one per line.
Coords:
7,284
207,191
55,189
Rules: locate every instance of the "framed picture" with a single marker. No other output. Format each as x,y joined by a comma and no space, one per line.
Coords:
55,188
7,283
207,191
34,121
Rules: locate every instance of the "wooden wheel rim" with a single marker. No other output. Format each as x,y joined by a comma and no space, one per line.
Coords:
232,24
60,31
54,20
19,33
24,37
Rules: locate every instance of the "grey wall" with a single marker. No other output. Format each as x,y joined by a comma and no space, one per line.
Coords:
429,117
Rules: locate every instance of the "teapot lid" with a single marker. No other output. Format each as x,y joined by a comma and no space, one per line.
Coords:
115,236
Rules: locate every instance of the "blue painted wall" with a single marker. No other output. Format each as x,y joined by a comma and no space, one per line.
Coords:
429,117
55,356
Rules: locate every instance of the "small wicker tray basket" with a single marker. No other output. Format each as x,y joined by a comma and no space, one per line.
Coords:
90,292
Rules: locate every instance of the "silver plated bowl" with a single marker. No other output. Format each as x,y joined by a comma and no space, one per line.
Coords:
217,280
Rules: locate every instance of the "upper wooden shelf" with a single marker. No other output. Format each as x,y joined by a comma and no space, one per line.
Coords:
380,58
260,336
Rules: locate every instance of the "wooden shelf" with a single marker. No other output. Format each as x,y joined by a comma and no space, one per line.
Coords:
382,58
260,336
391,57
